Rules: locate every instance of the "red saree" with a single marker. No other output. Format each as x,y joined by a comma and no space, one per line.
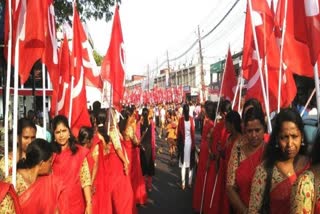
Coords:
214,176
135,172
100,202
119,188
280,195
225,161
7,189
42,196
245,173
317,208
67,166
201,168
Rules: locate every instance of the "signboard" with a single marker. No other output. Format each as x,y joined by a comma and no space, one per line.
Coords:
186,88
217,67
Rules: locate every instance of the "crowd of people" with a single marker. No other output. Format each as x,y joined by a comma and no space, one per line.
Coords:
244,169
108,168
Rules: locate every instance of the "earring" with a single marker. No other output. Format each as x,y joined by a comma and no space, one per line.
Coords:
302,143
277,145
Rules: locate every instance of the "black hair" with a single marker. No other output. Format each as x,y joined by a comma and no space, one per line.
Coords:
253,102
85,135
125,114
61,119
234,118
254,114
24,123
225,106
102,128
38,150
273,153
92,119
211,109
185,111
145,116
96,106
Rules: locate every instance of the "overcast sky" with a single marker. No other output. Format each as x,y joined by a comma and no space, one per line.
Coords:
151,27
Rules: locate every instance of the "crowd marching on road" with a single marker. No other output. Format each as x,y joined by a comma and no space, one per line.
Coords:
165,159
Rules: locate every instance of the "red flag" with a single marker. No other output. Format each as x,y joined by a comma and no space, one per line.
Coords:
295,53
271,59
263,24
80,116
91,71
28,34
307,25
229,79
50,56
112,68
63,99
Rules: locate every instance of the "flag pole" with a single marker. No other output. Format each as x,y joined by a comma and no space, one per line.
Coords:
240,91
284,27
15,111
44,100
236,92
8,80
265,64
72,67
316,80
260,70
220,92
308,102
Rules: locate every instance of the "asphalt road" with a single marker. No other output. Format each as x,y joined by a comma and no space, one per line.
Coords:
166,195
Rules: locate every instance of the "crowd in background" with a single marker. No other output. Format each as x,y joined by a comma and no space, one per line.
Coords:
108,167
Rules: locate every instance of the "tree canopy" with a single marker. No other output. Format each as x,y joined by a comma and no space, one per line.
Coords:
97,9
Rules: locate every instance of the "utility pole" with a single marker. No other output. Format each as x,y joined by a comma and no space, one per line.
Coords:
201,65
148,70
168,64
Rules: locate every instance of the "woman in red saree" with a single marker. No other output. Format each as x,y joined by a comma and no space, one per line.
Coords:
214,185
92,142
9,201
233,127
283,162
38,190
210,111
127,126
305,194
26,134
244,159
119,197
70,164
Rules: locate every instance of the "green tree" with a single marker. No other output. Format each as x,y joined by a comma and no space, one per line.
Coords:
96,9
97,57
